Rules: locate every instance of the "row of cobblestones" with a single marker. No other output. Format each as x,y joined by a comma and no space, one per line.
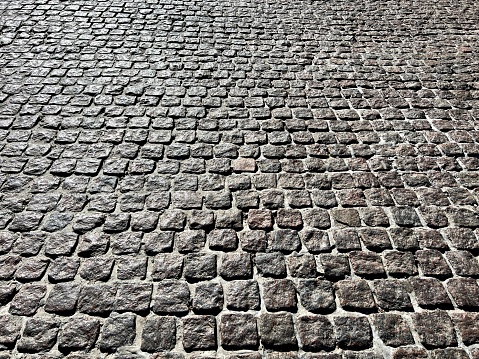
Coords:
239,179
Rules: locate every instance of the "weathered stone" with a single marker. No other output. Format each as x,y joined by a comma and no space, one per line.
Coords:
229,219
467,326
238,331
7,239
242,295
97,299
96,268
400,264
464,292
279,294
199,333
284,240
31,269
79,333
208,297
200,266
131,268
126,243
316,333
223,239
353,332
254,241
404,239
405,217
63,269
277,330
302,266
346,240
391,294
366,264
335,266
375,239
62,298
316,295
410,353
260,219
430,293
92,244
346,217
236,265
289,218
29,243
9,330
435,329
119,330
171,297
7,291
28,299
159,333
271,264
173,220
190,241
167,266
244,165
433,264
315,240
133,297
393,329
355,295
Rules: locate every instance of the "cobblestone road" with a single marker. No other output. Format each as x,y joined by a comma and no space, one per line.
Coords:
239,179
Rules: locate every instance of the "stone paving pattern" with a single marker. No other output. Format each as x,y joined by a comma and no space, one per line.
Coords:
239,179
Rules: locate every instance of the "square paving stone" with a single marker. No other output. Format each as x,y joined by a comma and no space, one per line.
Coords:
238,331
277,331
199,333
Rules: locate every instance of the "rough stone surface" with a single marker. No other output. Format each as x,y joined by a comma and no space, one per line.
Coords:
277,330
316,333
435,329
353,332
119,330
239,331
159,333
79,333
199,333
239,179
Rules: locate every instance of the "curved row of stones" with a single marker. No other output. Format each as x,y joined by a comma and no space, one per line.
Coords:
239,179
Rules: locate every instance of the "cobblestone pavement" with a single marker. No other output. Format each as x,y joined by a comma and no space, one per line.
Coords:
239,179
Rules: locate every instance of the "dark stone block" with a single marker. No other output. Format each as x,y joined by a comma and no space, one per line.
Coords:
159,333
316,333
239,331
353,333
316,295
119,330
435,329
277,331
199,333
279,294
393,329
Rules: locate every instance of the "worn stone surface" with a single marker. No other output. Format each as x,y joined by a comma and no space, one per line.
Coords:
79,333
199,332
277,330
159,333
239,179
316,333
435,329
353,332
239,331
119,330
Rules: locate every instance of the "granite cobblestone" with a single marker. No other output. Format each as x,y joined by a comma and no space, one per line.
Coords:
239,179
